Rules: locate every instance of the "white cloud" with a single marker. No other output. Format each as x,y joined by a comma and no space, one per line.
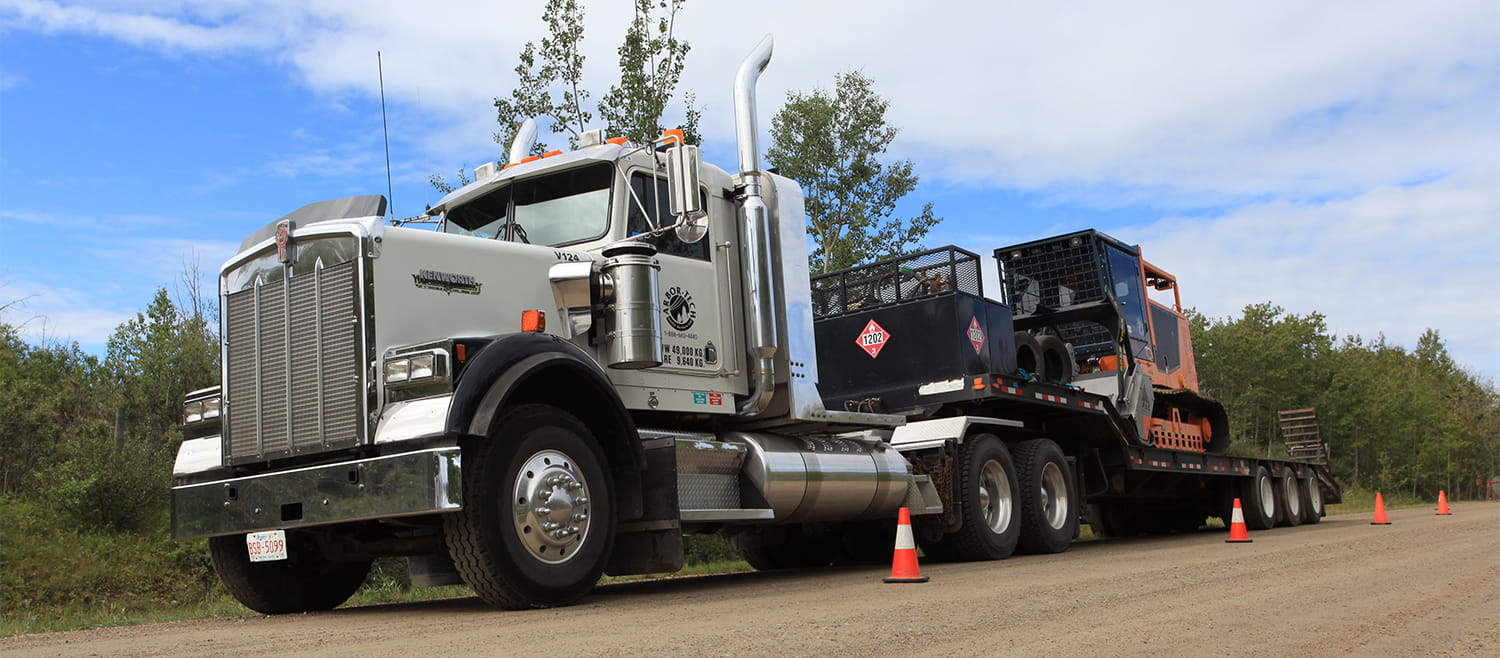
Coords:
1336,156
1395,259
1162,103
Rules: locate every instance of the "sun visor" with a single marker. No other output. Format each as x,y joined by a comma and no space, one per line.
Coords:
370,205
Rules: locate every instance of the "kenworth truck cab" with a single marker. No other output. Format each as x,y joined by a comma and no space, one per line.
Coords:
602,350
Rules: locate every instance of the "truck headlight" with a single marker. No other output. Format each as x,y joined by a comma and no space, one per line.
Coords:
416,368
201,411
201,405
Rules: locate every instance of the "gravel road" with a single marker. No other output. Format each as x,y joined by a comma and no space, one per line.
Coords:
1424,585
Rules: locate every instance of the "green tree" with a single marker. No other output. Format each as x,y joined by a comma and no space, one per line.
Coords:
651,62
549,81
831,144
1260,363
155,358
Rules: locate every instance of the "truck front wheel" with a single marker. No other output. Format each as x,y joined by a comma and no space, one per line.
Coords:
1049,516
538,519
307,580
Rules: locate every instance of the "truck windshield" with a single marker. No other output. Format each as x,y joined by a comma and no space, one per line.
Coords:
556,209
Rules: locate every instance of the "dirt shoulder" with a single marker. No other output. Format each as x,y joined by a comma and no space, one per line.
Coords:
1424,584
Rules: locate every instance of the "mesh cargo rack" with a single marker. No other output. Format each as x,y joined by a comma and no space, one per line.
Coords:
941,271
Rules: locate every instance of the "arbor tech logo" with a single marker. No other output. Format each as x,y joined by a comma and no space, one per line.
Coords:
679,309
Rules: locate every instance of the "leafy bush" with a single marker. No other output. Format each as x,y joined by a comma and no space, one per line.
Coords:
96,489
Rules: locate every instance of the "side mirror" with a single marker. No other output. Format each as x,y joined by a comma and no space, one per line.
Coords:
683,163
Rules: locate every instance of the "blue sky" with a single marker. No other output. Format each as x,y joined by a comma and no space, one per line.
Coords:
1342,157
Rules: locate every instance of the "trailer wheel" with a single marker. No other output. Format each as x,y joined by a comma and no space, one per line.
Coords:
1049,514
306,581
538,520
988,491
1289,502
1312,501
1258,498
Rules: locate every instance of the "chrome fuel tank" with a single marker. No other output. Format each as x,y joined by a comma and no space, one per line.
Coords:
823,479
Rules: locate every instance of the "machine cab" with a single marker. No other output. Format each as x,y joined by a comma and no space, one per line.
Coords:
1093,291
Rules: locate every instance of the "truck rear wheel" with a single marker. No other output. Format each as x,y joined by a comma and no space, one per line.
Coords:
1312,501
306,581
1258,500
1290,500
988,490
1049,514
538,520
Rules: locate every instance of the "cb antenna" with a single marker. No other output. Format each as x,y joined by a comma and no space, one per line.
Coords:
385,127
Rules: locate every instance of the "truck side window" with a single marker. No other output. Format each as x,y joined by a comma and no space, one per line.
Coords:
653,194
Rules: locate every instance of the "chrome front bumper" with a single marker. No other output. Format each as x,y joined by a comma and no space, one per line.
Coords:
407,484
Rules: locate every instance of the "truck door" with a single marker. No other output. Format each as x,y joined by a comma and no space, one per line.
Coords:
693,313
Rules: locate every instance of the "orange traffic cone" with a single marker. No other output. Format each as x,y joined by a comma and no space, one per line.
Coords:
1443,503
1379,511
904,567
1237,532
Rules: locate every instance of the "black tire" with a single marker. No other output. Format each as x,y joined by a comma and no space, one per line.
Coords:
511,544
306,581
1289,500
988,490
1258,500
1312,501
1056,361
867,542
1113,519
786,547
1028,353
1049,510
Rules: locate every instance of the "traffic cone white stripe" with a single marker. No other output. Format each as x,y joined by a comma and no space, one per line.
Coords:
1238,516
904,540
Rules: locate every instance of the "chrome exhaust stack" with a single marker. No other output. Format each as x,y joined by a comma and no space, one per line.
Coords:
755,236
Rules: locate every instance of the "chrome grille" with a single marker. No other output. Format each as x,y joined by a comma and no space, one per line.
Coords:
293,362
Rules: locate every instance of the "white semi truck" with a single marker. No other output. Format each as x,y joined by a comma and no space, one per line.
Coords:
603,350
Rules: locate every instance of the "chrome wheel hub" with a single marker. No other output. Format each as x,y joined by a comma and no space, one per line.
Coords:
551,506
994,496
1054,492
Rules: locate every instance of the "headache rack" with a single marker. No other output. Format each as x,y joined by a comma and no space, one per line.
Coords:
892,281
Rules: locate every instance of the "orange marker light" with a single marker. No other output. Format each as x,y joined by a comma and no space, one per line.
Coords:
461,352
978,383
533,321
619,141
674,134
549,154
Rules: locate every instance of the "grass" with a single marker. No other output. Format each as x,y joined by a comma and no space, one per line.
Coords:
54,579
1358,500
